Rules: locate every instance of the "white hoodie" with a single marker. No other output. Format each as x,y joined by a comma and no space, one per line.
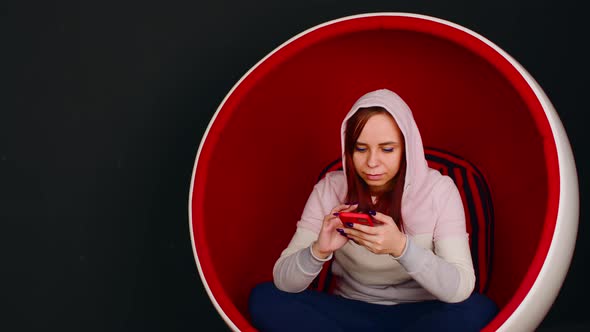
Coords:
436,263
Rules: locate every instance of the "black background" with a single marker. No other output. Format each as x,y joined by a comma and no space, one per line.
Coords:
102,111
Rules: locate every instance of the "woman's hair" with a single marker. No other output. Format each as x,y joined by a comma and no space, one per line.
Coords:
387,202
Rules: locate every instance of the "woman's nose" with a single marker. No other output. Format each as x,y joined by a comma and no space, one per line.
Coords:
372,160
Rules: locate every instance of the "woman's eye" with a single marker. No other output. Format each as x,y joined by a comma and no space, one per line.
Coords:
387,149
360,149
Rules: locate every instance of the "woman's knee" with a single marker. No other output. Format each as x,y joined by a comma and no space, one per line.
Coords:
262,296
482,305
478,310
271,309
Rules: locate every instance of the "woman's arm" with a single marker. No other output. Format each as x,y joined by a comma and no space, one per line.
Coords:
448,272
297,267
298,264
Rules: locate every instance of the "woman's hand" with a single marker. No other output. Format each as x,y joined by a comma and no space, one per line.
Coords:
331,237
382,238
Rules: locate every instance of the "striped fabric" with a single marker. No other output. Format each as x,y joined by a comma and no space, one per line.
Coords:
479,213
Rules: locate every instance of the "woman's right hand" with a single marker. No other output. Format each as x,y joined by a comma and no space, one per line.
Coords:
330,239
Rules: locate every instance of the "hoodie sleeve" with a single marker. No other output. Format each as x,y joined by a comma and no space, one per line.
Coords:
297,267
447,273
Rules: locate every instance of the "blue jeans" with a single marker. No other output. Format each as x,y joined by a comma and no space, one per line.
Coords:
274,310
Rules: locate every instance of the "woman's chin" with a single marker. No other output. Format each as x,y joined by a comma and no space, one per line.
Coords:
377,187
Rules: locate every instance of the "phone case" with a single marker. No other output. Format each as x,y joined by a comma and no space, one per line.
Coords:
357,218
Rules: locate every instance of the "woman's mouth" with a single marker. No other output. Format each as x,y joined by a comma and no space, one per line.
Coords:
374,177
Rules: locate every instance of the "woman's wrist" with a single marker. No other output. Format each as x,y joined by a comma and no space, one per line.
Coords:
400,247
317,253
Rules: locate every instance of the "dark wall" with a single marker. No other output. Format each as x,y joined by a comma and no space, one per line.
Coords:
102,111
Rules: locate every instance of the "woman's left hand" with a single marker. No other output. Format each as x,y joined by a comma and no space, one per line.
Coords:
382,238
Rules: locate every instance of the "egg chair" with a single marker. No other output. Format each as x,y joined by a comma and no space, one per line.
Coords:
278,128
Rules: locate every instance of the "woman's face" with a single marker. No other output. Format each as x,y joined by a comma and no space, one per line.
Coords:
378,152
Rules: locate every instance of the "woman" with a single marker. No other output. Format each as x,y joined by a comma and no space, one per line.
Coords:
412,271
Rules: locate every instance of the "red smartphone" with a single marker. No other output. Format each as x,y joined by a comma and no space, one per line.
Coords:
354,217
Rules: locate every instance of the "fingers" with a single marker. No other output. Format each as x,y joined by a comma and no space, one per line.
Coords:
373,243
359,239
350,208
344,208
340,208
383,218
332,219
356,231
356,227
334,212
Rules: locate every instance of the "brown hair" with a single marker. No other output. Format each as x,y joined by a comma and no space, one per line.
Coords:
388,202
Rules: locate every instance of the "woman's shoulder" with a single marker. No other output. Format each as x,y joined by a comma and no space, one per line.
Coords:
328,193
437,185
333,183
335,177
443,188
440,182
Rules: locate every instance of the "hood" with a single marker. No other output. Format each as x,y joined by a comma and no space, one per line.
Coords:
417,169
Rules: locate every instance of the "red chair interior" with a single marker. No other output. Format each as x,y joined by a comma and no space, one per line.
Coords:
280,127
